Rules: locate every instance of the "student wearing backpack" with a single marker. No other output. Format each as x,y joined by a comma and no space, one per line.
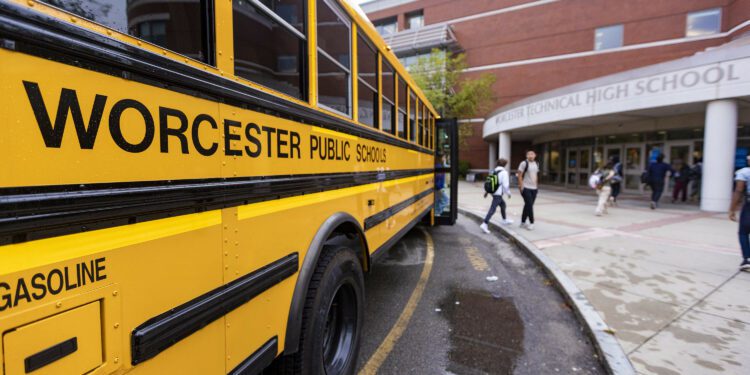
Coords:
501,187
602,182
616,179
741,197
656,173
528,178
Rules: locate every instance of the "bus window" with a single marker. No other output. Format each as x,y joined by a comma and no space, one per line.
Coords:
267,50
182,27
412,116
420,123
367,63
402,115
334,56
389,94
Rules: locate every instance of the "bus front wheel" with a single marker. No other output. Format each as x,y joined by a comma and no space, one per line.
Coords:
332,316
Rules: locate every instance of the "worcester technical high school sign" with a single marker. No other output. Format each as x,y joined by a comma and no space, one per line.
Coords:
644,110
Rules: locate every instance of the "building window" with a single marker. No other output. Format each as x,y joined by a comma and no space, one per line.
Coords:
705,22
334,58
414,20
386,26
269,48
389,96
608,37
367,75
182,27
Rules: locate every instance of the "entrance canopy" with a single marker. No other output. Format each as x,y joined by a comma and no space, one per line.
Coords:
667,89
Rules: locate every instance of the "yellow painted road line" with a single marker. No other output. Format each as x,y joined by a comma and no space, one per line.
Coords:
385,348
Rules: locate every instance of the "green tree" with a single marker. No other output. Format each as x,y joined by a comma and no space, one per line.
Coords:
440,76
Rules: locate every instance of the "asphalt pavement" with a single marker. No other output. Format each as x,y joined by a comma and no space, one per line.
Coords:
431,310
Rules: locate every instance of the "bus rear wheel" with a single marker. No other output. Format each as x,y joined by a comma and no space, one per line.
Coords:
332,317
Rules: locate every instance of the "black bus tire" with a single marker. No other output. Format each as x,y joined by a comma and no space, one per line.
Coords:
331,318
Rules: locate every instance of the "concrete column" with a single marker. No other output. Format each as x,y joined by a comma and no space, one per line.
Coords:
719,146
493,156
504,146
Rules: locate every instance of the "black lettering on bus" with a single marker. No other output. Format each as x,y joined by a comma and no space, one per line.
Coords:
200,119
346,150
53,135
165,131
68,285
330,147
281,142
87,272
37,282
21,292
115,128
294,145
253,140
100,267
229,137
314,144
54,291
269,131
5,297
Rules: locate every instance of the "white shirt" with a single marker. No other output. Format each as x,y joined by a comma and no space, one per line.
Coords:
503,181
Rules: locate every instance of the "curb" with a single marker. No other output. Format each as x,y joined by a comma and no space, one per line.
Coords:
610,352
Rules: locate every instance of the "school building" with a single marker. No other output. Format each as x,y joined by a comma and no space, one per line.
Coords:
582,80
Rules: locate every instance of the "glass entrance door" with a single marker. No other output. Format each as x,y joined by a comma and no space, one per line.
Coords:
446,171
633,166
678,154
578,167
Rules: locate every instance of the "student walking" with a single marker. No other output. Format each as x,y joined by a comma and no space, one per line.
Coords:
528,172
657,172
616,182
503,188
681,180
742,197
603,186
696,175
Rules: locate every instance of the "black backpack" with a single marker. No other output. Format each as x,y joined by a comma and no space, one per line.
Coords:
491,183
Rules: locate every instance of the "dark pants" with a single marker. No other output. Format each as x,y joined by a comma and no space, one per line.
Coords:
680,188
615,190
745,231
656,191
497,200
529,196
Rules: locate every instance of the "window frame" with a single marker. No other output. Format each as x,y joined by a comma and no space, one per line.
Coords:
601,29
208,35
348,22
402,113
393,20
304,63
699,13
384,100
362,81
411,15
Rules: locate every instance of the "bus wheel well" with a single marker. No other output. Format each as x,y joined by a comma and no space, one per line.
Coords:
349,234
340,229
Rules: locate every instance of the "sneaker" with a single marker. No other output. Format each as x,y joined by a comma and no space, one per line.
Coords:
745,265
522,225
507,221
484,228
653,205
530,227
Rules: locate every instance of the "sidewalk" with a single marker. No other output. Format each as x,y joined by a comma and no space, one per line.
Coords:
666,281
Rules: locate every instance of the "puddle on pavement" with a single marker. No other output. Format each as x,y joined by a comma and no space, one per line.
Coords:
486,332
405,253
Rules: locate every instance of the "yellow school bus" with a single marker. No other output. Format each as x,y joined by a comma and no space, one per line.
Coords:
198,186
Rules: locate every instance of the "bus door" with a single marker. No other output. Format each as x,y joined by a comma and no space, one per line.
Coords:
446,171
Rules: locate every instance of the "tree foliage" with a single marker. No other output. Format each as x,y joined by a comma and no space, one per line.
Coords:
440,76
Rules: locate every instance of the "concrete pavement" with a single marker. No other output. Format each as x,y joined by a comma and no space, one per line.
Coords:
666,281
